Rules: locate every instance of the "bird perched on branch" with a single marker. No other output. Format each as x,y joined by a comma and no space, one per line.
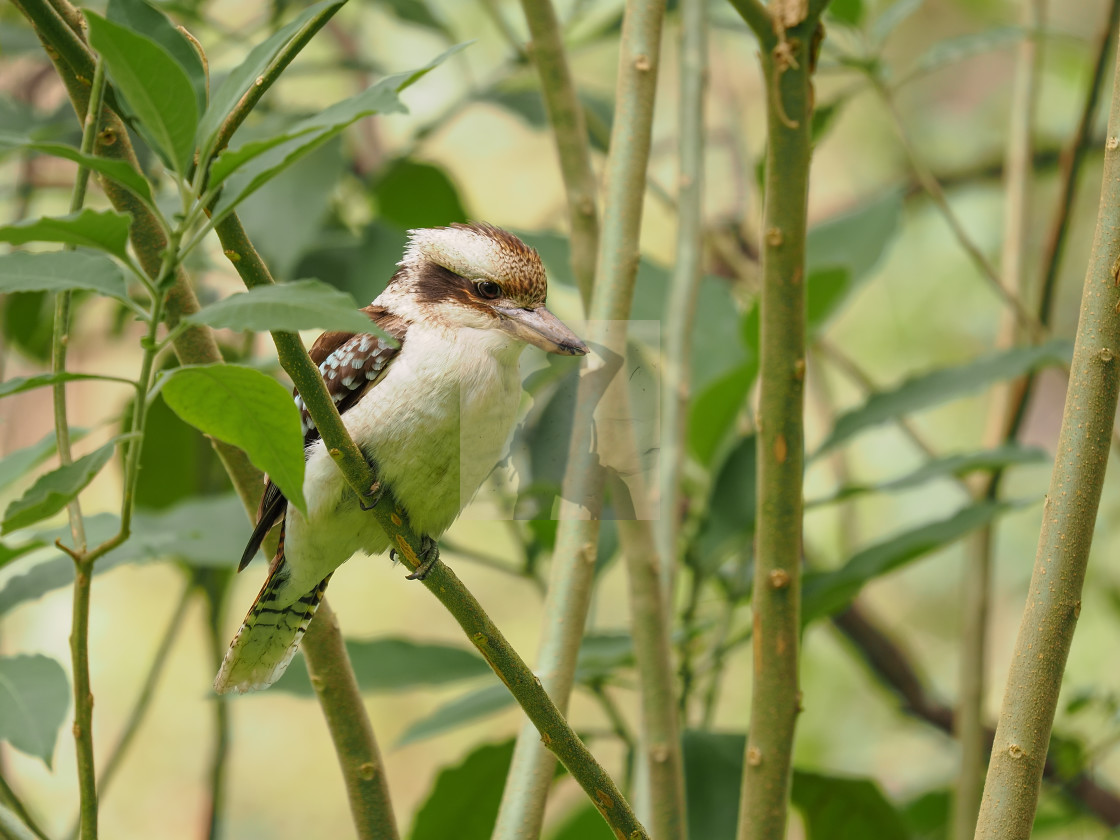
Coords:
432,415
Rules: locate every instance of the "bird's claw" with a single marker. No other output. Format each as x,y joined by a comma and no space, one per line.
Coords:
428,557
374,494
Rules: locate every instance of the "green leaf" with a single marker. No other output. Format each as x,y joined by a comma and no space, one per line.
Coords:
245,75
952,50
302,305
956,466
176,461
927,815
396,664
156,87
603,653
713,770
825,593
204,533
856,242
467,708
52,491
34,697
41,380
823,118
147,20
841,807
11,553
249,410
729,519
890,18
418,12
284,218
524,100
585,824
247,168
846,11
464,800
58,271
12,826
944,384
411,195
115,170
714,410
15,465
105,230
833,807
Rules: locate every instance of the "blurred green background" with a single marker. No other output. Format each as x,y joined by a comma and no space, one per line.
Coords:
475,146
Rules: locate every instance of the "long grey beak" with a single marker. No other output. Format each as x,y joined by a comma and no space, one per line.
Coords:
542,329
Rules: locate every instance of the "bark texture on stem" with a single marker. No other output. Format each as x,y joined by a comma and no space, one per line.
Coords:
1069,515
367,786
775,701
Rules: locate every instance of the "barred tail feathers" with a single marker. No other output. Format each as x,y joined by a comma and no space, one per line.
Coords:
268,638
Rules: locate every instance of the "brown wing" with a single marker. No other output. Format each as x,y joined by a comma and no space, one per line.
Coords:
350,364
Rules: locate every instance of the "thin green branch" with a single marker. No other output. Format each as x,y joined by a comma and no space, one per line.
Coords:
265,81
1072,156
681,310
147,691
494,12
195,345
83,564
215,583
11,799
569,129
932,187
757,17
565,610
363,771
1069,515
369,797
977,577
894,668
775,698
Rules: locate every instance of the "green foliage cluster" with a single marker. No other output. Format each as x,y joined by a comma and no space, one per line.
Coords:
286,172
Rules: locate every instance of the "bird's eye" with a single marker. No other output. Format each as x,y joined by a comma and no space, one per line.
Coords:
488,289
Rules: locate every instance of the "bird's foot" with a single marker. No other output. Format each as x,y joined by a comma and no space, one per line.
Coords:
374,494
428,557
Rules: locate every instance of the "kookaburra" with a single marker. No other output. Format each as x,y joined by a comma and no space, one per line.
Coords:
432,416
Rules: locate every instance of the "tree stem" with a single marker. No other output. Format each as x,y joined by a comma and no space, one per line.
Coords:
775,702
681,310
1054,601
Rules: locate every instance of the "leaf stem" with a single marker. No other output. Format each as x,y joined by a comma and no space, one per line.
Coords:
1050,616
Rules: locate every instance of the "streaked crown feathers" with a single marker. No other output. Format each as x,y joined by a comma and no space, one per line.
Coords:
481,251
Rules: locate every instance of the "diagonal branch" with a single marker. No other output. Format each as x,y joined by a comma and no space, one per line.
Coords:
441,581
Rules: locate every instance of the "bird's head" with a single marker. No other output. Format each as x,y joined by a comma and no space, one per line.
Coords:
481,277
